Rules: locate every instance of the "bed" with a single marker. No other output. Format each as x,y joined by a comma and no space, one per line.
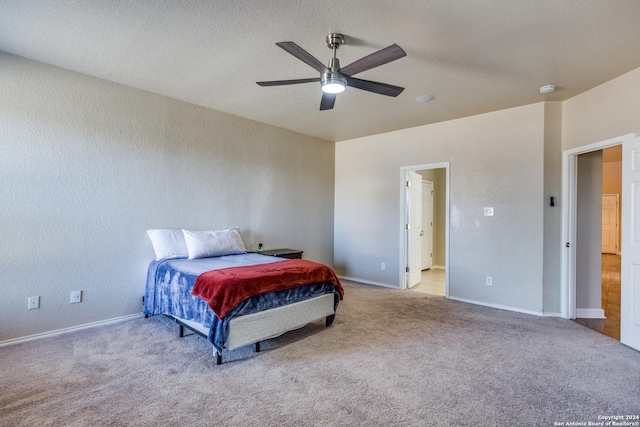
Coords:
260,316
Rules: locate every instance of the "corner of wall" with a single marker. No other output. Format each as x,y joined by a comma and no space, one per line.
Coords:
552,214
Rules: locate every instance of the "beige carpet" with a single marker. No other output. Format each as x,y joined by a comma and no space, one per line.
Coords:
392,357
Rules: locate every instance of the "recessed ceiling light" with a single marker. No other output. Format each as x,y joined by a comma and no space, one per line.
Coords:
425,98
547,89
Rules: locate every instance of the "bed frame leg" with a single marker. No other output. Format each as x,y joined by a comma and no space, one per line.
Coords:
217,355
330,319
258,347
181,333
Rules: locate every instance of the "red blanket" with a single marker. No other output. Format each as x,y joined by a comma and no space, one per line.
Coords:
223,289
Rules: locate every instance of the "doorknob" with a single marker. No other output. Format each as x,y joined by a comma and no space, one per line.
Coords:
422,233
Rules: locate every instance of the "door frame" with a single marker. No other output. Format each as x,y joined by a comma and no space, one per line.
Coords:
404,244
569,220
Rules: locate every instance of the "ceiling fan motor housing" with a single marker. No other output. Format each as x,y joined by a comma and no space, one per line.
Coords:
334,40
332,81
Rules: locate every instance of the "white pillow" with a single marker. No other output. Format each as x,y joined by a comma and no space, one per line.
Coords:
203,244
168,243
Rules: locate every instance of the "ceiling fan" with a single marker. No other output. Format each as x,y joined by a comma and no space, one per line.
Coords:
333,79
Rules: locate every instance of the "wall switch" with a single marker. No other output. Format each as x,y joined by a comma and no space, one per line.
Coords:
76,296
489,281
33,303
383,266
488,211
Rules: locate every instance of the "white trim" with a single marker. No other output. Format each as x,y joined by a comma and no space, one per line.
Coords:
403,213
551,314
438,267
66,330
590,313
367,282
569,215
499,306
600,145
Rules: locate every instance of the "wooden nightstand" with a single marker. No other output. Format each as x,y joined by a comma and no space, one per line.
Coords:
284,253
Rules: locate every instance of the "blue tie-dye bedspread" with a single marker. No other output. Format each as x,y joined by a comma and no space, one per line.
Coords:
169,284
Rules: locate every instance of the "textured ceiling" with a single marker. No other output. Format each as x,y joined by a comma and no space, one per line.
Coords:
474,56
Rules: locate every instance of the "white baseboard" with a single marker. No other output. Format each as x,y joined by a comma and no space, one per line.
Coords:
498,306
368,282
66,330
590,313
551,314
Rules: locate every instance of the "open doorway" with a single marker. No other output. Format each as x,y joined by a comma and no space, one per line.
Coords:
630,238
602,313
425,228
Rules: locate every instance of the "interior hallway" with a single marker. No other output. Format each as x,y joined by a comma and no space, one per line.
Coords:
610,299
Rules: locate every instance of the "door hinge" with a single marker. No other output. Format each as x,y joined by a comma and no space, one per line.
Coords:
568,245
407,269
432,193
406,226
408,183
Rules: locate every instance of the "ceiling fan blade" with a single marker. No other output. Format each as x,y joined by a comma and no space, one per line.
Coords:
288,82
388,54
376,87
327,102
303,55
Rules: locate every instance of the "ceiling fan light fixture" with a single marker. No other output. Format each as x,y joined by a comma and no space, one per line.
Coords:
334,85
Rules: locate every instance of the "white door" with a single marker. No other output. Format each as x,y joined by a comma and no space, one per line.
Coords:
630,259
609,223
415,228
427,225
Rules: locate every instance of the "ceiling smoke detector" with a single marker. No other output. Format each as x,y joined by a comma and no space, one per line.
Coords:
547,89
425,98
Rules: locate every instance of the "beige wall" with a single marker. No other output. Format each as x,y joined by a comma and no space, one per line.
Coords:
607,111
552,214
87,166
496,159
612,178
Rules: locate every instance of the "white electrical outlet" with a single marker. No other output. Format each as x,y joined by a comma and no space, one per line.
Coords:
488,211
489,281
33,303
76,296
383,266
